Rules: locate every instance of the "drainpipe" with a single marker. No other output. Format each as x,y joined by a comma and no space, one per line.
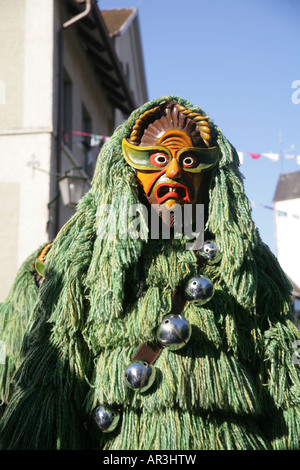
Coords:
65,26
78,17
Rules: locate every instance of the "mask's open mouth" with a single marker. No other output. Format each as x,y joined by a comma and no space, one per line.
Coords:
173,191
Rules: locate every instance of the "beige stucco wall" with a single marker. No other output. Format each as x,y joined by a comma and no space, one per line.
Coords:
12,33
26,126
26,57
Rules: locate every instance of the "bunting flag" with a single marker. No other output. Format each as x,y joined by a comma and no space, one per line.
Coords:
88,142
270,155
255,156
241,157
95,139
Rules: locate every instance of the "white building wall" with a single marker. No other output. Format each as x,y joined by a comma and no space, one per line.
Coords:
287,229
26,57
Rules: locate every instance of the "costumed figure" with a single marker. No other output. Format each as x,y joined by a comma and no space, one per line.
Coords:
140,340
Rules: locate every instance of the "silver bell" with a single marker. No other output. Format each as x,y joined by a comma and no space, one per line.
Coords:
210,252
199,290
140,375
174,332
106,418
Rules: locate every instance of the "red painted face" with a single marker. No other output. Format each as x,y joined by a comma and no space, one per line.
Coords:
171,183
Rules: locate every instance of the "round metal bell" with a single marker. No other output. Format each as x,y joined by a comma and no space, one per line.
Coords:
199,290
174,332
106,418
140,375
210,252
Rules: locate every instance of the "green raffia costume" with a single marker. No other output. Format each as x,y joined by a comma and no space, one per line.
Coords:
235,384
14,318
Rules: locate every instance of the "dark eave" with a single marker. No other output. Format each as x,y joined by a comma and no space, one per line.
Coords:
99,49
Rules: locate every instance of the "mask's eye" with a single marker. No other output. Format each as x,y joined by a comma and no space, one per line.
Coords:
188,160
159,159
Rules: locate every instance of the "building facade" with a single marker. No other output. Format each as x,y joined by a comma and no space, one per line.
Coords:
62,83
287,231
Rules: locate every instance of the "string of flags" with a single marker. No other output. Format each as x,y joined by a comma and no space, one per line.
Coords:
95,139
270,155
278,212
87,142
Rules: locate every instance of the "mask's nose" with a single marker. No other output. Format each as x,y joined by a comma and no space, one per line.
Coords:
174,170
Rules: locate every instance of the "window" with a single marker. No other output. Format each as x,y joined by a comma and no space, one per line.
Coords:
67,111
127,73
86,142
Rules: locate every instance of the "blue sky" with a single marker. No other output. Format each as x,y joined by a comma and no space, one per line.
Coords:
237,59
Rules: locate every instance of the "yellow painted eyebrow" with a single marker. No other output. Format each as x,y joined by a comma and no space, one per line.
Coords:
139,157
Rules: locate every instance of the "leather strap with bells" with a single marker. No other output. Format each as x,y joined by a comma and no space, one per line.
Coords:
149,352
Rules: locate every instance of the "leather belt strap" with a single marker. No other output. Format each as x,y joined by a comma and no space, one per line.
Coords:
149,352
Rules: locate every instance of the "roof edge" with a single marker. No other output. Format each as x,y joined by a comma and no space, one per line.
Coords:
288,187
127,23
